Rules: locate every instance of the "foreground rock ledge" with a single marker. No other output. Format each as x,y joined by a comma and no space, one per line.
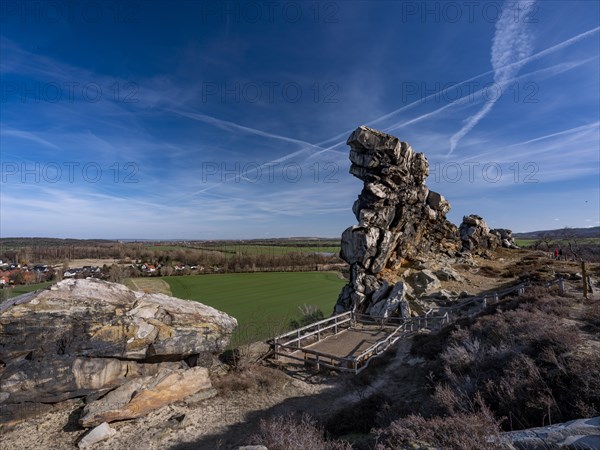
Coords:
84,338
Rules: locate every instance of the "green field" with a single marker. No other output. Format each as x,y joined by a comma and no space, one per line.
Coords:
23,289
276,249
559,242
524,242
263,303
252,249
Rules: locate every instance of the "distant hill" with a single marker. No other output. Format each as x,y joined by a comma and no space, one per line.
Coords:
593,232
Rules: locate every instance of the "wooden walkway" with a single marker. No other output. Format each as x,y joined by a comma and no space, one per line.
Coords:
348,341
351,342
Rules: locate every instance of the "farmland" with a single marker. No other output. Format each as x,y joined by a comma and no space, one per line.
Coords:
25,288
250,249
263,303
557,242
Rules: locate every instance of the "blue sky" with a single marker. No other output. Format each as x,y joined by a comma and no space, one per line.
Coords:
209,120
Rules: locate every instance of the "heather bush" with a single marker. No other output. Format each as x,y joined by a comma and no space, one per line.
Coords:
522,357
289,433
466,431
591,314
521,362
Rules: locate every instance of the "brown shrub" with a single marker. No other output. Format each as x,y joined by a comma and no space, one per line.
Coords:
519,361
253,377
591,313
287,433
473,431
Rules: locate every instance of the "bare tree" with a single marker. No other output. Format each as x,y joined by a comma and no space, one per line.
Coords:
569,235
547,240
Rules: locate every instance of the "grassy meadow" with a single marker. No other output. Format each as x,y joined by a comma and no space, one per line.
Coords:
25,288
263,303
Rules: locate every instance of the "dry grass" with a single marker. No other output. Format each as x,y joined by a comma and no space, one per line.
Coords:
289,433
252,378
149,285
460,431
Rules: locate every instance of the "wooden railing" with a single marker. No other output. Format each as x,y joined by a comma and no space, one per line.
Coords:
494,297
318,330
434,319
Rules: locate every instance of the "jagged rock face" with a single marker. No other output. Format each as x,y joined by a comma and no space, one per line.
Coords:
506,237
399,219
476,236
86,337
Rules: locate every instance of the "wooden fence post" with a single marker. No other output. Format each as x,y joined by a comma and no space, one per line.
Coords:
584,279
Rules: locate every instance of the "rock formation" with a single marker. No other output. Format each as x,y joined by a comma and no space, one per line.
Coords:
84,338
506,237
476,236
399,219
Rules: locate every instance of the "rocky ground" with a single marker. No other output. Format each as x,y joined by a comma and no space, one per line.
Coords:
259,391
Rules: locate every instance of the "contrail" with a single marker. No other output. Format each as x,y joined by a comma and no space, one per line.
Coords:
549,71
511,42
540,138
550,50
27,136
560,133
232,125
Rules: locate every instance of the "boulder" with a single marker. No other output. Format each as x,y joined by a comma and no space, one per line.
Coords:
423,282
393,304
444,294
138,397
359,244
506,237
447,273
577,434
101,433
83,338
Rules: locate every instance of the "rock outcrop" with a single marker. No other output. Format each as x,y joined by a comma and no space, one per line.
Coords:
399,219
84,338
506,238
476,235
577,435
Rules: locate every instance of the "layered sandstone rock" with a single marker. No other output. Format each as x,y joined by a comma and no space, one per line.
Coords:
399,219
83,338
139,396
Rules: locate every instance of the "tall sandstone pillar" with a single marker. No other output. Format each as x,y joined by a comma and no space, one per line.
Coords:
399,220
